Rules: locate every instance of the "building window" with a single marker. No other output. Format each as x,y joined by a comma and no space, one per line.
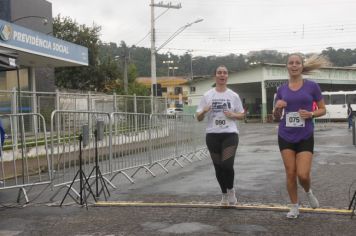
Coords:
192,89
178,90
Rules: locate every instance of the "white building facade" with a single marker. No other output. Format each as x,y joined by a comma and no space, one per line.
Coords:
257,86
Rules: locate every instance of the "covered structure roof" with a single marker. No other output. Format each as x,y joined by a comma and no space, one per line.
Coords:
165,81
7,60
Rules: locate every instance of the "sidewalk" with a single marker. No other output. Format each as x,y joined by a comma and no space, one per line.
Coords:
260,182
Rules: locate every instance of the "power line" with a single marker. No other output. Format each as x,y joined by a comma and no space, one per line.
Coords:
274,3
241,50
141,40
259,30
338,29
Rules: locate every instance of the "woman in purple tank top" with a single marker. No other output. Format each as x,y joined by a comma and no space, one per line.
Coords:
294,110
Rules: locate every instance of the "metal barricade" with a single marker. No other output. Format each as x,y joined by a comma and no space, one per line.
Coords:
354,130
185,136
175,137
66,128
131,139
163,146
200,149
141,141
134,141
24,159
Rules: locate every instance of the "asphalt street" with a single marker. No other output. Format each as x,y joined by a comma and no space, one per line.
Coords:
184,201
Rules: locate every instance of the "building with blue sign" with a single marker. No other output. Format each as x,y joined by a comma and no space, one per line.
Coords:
25,30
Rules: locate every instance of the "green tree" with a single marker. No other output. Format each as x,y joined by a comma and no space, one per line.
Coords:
84,77
141,57
134,87
340,57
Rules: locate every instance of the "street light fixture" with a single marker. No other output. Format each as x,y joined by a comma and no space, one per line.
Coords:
45,20
175,34
168,62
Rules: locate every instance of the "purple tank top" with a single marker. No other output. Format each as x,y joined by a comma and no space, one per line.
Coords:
301,99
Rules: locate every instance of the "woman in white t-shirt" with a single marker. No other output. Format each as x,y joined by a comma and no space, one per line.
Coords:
223,107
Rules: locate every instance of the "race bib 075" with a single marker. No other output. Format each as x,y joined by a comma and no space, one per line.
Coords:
293,119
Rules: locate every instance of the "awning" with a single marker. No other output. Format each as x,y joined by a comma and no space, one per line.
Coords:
32,60
35,49
8,60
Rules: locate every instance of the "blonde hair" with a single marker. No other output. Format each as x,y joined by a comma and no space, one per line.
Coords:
312,63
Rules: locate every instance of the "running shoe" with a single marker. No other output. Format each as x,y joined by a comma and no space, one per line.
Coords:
313,202
293,212
231,196
224,200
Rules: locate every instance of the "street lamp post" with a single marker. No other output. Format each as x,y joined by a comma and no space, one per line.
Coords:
191,64
125,62
173,68
168,62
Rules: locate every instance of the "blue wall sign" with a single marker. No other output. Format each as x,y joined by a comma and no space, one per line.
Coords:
26,40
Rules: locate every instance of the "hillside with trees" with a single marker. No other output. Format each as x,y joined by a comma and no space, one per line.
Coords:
114,68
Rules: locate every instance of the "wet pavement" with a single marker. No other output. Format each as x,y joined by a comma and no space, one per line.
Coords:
184,201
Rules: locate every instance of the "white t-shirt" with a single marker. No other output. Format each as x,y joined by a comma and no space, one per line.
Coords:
221,101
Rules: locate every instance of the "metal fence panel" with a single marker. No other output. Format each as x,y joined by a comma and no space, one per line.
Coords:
66,130
24,159
130,140
45,103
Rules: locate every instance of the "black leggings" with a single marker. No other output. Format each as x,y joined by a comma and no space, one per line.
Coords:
222,148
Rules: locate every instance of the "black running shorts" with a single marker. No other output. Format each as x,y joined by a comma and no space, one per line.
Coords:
301,146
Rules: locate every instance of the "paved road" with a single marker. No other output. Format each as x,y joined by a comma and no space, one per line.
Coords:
259,180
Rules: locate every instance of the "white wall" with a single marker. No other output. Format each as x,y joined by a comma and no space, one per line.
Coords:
247,76
201,87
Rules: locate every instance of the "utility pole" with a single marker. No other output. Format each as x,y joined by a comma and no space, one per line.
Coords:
126,81
153,40
191,67
191,64
126,57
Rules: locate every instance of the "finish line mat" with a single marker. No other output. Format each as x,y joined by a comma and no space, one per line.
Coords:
270,207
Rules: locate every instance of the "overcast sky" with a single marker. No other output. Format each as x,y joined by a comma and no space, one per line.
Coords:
229,26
